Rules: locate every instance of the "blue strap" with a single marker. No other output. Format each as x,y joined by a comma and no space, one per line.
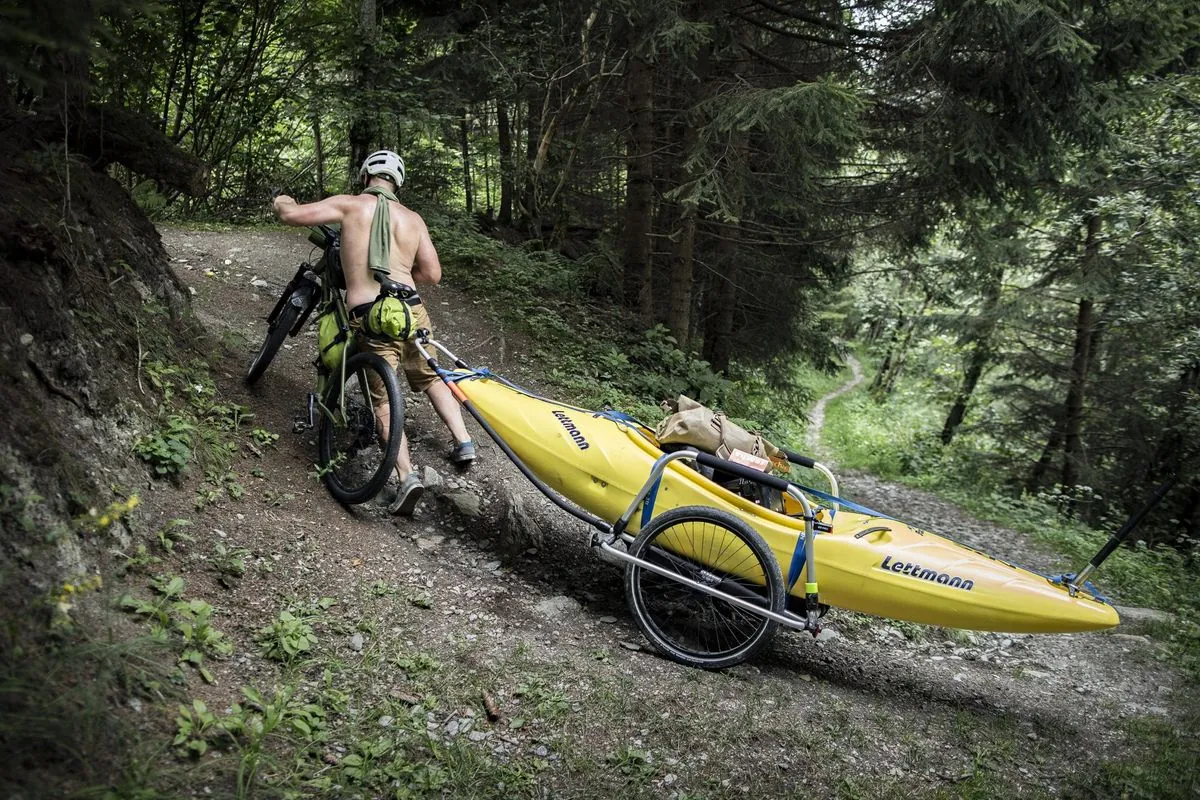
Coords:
617,416
1088,586
798,559
842,502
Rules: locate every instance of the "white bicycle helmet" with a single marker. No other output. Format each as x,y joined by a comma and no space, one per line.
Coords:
386,163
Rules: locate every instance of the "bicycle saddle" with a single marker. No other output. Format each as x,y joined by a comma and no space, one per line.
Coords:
391,288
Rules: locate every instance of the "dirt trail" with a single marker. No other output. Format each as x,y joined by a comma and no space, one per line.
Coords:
816,417
870,704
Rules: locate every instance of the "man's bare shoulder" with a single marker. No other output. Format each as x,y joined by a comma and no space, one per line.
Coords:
360,205
411,217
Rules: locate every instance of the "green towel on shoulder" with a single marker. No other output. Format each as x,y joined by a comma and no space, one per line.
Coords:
379,252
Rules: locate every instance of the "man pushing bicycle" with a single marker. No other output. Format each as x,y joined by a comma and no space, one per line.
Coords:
381,239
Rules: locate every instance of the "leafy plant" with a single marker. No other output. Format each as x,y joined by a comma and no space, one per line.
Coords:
65,596
189,620
287,638
276,498
418,665
633,762
263,437
382,588
193,726
230,563
549,702
140,560
172,533
168,450
97,521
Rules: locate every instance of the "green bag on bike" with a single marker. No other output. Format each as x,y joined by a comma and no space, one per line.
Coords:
332,339
389,318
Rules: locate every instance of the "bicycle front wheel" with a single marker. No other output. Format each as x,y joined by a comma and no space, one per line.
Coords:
276,333
717,550
359,438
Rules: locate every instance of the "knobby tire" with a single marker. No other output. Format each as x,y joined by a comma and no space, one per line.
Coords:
357,469
276,333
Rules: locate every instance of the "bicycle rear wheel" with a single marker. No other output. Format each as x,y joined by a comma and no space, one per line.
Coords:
356,452
276,333
715,549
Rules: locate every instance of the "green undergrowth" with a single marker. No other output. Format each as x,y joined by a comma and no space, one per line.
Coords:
591,357
1165,763
898,440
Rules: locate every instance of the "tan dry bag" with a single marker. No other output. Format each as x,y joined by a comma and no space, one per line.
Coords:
698,426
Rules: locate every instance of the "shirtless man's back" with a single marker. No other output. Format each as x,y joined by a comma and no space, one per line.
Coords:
411,258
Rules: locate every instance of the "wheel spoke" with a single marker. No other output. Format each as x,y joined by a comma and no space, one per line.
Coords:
714,549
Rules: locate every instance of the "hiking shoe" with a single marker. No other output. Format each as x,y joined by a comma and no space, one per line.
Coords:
463,453
407,495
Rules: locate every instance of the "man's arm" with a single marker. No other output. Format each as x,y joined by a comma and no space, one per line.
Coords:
323,212
426,266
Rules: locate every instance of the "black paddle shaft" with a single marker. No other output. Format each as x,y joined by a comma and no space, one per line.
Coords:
1115,540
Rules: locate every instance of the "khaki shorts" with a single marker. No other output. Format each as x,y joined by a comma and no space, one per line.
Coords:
400,355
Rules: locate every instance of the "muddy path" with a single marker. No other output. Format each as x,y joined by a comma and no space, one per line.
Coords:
870,705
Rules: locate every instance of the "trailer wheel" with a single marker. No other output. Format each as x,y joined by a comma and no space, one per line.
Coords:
719,551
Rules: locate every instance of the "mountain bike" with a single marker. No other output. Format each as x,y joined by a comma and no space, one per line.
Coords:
356,448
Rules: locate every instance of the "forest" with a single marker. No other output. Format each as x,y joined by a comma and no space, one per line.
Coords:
993,206
997,198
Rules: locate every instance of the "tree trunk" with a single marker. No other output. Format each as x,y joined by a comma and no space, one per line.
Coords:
364,119
679,293
504,135
885,367
1073,457
899,359
1191,513
485,131
319,150
105,134
465,145
529,201
980,355
639,196
683,234
721,308
977,361
1038,475
720,303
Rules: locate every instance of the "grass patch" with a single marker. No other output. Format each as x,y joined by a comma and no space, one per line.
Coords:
1166,763
73,686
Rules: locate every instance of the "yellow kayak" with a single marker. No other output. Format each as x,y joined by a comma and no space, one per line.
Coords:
870,564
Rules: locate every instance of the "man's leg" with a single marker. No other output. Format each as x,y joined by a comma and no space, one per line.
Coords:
449,410
422,377
383,413
410,488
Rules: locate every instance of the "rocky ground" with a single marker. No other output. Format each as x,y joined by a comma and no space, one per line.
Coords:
525,615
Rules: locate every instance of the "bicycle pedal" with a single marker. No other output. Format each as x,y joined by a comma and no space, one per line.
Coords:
300,426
